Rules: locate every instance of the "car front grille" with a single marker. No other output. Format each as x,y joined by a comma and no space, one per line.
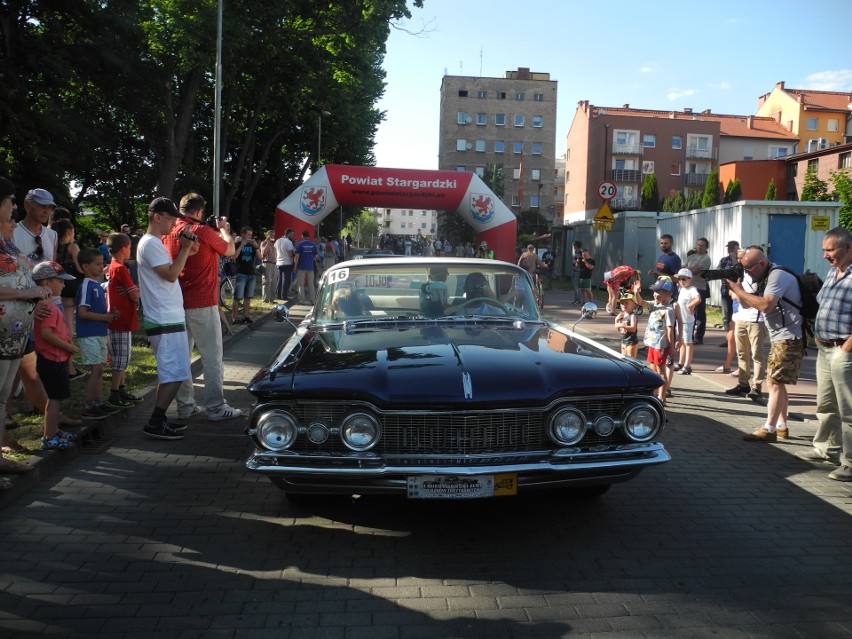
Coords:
414,436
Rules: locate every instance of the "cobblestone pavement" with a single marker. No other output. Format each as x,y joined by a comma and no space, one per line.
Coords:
175,539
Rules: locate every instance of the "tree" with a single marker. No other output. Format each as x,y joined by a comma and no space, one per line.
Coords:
364,226
711,189
842,183
734,191
693,200
770,191
814,189
650,193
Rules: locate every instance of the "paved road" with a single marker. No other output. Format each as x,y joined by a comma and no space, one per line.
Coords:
175,539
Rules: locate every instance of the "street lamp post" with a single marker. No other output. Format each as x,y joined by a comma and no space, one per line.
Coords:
319,135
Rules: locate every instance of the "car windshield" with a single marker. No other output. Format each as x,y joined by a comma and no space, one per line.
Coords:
424,289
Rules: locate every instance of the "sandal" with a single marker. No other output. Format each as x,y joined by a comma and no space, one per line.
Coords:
54,443
61,434
722,369
677,367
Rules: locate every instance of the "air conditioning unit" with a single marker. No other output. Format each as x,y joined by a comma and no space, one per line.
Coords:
468,146
822,143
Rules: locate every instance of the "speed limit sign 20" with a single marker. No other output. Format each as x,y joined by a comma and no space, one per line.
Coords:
607,190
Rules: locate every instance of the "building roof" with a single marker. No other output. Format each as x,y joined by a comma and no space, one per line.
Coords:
821,100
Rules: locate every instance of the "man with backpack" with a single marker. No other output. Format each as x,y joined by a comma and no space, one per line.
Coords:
833,332
779,298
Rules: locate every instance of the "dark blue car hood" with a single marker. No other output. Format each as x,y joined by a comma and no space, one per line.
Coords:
447,365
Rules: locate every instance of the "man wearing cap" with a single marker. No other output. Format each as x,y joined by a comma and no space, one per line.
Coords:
31,235
484,252
199,282
697,263
727,303
779,299
162,304
833,331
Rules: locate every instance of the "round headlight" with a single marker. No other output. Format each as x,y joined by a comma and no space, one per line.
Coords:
277,430
641,422
317,432
604,425
567,426
360,431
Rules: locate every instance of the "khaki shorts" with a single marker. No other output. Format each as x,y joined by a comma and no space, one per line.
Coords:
785,358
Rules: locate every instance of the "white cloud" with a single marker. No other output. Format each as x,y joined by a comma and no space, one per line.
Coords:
722,86
647,68
675,93
838,80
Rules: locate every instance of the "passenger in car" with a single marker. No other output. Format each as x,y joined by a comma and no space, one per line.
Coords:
345,303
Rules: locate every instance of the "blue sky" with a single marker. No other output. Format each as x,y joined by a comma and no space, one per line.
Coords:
718,55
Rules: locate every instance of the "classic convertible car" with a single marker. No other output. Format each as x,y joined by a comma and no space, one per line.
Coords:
438,378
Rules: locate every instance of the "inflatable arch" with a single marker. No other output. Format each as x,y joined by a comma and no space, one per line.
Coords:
341,184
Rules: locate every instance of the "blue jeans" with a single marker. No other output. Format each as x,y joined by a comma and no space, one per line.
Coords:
575,280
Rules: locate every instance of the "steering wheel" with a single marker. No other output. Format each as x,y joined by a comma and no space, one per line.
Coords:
451,310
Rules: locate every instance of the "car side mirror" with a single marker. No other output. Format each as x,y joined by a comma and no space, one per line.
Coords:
589,311
281,313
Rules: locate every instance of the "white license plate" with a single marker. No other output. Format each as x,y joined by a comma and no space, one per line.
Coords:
452,487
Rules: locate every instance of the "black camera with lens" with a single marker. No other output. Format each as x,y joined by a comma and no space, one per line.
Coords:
733,273
189,234
212,221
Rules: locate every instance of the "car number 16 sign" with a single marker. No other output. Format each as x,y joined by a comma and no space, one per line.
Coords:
607,190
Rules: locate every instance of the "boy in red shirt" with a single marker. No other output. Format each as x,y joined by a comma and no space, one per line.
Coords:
122,295
53,347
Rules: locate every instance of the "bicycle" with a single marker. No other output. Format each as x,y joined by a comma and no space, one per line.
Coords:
226,291
539,287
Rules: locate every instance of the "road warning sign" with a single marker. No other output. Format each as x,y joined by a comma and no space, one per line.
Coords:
605,214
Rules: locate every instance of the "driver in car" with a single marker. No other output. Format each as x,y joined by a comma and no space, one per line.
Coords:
479,298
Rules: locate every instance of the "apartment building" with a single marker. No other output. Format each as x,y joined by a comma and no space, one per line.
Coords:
504,126
819,119
406,221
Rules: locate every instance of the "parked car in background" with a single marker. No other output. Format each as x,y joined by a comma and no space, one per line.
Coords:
439,379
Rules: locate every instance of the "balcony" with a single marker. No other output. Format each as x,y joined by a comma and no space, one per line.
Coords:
696,179
625,203
625,175
701,154
626,149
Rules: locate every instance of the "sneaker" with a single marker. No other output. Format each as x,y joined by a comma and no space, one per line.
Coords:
92,413
54,443
224,412
782,433
816,455
844,473
118,402
761,435
754,394
130,397
164,430
739,389
196,410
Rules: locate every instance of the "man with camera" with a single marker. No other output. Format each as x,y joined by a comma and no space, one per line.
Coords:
779,299
199,283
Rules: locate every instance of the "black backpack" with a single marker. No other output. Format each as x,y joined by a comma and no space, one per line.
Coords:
809,286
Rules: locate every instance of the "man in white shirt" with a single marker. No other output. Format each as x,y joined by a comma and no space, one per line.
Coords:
284,252
162,304
32,236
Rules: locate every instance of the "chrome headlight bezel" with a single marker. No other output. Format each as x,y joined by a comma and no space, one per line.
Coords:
648,432
556,428
277,430
360,431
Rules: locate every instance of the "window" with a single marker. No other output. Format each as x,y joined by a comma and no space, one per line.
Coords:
501,95
481,119
535,175
677,142
463,117
480,171
410,213
536,148
499,146
534,201
500,119
647,166
516,174
845,160
461,145
480,146
461,167
482,94
813,164
519,95
515,199
778,152
831,124
811,124
519,120
517,147
538,97
422,213
649,141
422,225
538,121
676,168
462,93
748,152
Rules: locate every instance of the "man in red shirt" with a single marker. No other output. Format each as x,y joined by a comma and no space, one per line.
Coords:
199,282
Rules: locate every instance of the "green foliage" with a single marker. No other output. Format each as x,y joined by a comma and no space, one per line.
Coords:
814,189
650,194
842,183
120,101
363,225
711,189
771,193
693,200
734,191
